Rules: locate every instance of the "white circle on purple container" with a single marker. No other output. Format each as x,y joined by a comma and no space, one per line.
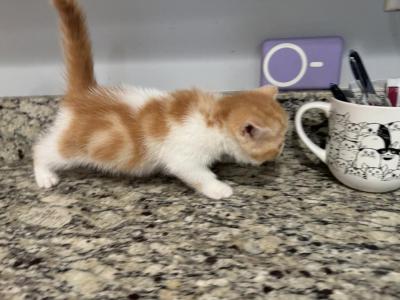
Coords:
298,77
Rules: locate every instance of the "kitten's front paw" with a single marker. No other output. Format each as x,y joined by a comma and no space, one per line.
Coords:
46,179
217,190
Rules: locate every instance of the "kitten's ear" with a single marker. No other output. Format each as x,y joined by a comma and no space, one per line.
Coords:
270,90
254,132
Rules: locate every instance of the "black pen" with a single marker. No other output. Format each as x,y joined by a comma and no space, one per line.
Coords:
338,93
364,78
367,88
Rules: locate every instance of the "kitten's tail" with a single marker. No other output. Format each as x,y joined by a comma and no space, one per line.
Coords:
77,46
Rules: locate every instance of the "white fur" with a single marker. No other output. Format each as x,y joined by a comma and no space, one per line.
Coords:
186,152
136,97
46,155
189,150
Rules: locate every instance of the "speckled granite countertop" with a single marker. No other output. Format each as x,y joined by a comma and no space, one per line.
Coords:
289,232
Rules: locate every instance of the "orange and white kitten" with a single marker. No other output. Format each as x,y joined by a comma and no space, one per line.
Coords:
141,131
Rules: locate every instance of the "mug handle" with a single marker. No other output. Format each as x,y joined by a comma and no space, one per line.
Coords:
325,107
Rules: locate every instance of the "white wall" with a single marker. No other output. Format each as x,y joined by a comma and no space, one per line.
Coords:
214,44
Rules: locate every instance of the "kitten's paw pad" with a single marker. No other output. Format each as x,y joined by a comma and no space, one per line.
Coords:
46,179
217,190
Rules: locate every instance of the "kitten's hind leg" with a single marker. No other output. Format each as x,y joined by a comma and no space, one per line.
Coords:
46,161
46,156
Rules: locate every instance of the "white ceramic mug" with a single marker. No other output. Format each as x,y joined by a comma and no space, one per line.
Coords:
363,147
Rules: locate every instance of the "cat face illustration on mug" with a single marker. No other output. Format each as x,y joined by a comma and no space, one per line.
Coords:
341,165
367,157
365,150
339,122
390,158
352,131
374,173
394,175
348,150
370,129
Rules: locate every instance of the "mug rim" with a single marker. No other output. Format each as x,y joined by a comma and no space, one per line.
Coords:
339,102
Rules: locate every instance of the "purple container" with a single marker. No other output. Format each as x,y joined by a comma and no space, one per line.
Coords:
302,63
